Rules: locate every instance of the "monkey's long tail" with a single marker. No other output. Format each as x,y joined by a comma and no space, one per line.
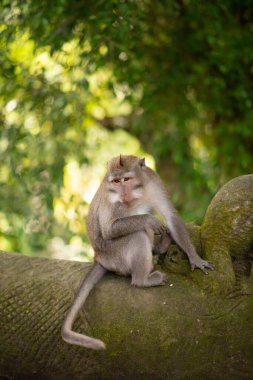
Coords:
94,275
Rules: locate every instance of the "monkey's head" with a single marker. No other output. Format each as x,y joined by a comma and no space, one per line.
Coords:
125,179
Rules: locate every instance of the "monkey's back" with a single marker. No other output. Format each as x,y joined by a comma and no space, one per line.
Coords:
93,225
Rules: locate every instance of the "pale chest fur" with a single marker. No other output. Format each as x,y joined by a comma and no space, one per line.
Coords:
139,210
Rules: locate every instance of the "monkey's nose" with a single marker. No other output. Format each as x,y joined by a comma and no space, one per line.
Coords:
125,198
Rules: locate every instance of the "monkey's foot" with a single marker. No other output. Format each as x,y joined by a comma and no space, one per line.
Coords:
201,264
156,278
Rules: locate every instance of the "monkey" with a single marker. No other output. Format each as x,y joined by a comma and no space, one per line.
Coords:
123,232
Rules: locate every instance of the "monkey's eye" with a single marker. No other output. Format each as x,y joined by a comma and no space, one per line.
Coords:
126,179
116,180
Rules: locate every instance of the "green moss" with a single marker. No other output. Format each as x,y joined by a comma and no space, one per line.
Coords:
225,238
177,331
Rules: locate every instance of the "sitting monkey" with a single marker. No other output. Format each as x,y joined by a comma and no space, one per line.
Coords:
123,233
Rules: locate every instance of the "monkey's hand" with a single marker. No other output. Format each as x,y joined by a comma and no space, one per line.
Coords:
199,263
156,225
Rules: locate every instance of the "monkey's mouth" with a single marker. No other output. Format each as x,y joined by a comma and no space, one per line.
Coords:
126,200
127,203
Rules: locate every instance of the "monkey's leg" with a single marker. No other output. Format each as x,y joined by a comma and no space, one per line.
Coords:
161,243
142,262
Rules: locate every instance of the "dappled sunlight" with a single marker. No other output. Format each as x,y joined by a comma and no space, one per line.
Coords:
107,104
203,157
5,228
79,85
21,50
75,250
60,232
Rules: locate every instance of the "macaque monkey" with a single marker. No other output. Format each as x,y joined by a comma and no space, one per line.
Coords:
123,233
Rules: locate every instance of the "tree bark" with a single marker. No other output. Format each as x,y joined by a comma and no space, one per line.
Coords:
171,332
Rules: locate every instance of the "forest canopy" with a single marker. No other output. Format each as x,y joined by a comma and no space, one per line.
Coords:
82,81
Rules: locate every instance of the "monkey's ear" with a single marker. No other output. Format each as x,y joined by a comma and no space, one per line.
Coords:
142,162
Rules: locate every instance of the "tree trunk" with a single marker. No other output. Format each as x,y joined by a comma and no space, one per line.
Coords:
170,332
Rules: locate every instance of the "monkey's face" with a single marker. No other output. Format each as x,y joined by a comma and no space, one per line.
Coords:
124,188
125,179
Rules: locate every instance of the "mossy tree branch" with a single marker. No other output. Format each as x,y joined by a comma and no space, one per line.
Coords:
172,332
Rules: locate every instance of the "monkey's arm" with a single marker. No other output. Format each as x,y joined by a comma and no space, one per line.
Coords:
130,224
176,226
180,235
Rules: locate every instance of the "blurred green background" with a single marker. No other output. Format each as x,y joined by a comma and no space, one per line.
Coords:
82,81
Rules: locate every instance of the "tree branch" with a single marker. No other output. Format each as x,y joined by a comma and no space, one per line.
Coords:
171,332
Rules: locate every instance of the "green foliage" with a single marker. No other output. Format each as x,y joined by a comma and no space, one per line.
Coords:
79,79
